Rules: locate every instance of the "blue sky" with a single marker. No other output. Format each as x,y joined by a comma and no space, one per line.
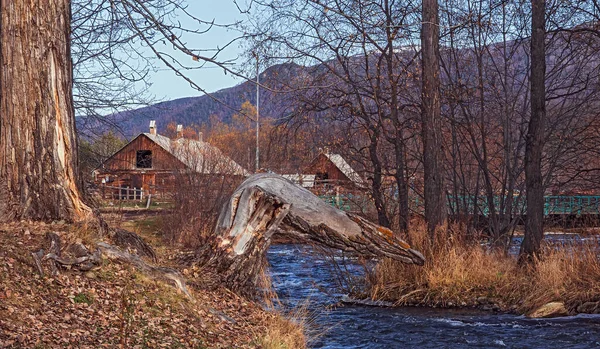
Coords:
167,86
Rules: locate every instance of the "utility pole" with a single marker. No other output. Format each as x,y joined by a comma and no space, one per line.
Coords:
257,110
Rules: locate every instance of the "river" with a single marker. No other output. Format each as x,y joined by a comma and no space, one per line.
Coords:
301,277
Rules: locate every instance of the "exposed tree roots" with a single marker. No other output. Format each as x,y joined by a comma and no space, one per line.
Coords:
79,257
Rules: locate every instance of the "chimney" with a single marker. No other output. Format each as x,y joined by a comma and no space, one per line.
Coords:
153,127
179,131
200,138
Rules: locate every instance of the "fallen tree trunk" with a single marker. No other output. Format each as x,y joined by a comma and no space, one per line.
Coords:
267,203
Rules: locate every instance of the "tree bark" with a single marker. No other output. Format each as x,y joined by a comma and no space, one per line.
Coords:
534,230
402,183
435,202
376,185
399,146
266,204
38,151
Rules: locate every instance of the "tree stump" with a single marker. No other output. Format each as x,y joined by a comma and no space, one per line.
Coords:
266,204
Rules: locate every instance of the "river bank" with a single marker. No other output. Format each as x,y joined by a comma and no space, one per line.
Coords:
462,273
306,278
117,306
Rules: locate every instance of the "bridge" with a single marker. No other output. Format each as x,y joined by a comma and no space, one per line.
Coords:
553,205
576,205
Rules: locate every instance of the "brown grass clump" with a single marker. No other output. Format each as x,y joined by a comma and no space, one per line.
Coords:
462,272
284,329
569,276
285,332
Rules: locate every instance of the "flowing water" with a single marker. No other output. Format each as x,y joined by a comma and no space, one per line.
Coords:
301,277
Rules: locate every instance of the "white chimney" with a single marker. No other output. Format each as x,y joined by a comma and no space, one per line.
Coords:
200,138
179,131
152,127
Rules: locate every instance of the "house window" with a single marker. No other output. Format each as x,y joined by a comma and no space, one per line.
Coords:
143,159
322,176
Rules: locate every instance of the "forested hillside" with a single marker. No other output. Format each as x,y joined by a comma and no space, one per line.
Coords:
222,104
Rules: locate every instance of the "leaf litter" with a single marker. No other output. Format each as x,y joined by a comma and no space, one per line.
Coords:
113,306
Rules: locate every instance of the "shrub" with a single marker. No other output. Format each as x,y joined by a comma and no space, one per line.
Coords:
198,202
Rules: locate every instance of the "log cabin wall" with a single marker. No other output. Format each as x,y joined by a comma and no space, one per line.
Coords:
155,173
126,158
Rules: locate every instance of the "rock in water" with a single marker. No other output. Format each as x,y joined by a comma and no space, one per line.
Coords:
550,310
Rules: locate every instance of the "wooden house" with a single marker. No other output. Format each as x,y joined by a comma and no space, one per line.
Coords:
150,162
331,178
329,173
332,169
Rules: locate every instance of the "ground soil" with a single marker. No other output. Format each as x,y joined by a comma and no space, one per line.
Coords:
114,305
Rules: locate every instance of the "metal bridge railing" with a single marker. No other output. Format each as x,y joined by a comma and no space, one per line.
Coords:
553,204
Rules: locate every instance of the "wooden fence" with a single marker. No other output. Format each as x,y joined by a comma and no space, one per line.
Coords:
107,192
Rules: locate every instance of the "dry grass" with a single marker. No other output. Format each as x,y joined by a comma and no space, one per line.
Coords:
459,272
285,332
284,329
570,276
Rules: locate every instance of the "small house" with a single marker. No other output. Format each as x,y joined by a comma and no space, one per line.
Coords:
329,174
150,162
333,170
331,178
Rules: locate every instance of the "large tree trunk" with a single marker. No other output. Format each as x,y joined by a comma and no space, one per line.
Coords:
435,202
265,204
37,133
534,231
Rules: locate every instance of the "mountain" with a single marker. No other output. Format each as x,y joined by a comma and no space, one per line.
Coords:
314,91
222,104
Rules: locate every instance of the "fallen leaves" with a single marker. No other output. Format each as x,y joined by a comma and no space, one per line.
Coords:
116,307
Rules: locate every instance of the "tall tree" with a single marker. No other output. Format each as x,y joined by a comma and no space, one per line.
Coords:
38,149
435,202
534,231
364,51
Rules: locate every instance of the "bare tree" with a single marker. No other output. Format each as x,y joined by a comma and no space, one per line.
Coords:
435,198
534,224
362,56
484,78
